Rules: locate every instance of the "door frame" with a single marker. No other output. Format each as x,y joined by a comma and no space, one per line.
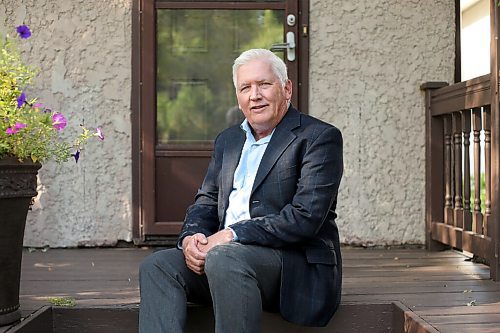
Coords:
143,96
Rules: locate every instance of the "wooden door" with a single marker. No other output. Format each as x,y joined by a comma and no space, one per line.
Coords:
187,96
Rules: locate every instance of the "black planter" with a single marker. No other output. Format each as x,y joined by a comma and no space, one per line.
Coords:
17,187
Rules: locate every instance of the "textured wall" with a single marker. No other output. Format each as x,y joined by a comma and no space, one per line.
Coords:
368,59
83,49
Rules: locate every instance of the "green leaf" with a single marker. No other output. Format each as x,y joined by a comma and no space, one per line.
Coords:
62,301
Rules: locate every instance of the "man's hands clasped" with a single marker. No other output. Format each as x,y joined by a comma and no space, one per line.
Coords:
196,247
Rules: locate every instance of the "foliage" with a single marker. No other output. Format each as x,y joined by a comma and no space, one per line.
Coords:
482,191
195,52
29,129
62,301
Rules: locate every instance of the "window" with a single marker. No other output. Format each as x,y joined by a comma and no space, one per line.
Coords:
474,38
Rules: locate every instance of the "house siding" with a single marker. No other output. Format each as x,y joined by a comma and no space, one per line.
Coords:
83,51
367,61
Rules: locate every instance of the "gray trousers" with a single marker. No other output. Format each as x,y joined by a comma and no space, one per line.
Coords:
239,281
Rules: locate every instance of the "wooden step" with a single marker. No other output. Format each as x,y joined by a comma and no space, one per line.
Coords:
373,318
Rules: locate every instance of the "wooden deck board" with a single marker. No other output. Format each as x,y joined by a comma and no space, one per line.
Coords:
436,286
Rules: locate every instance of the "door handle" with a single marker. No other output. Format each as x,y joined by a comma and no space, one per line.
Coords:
289,46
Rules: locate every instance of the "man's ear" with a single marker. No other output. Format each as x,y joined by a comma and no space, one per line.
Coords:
288,89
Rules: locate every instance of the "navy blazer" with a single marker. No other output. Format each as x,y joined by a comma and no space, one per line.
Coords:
292,207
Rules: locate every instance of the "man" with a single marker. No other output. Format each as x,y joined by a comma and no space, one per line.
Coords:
261,233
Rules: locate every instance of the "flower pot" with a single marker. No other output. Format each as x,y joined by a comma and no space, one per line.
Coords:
17,187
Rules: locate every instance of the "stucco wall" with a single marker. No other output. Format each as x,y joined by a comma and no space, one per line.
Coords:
368,59
83,49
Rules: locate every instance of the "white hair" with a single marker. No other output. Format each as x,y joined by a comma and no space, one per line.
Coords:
277,64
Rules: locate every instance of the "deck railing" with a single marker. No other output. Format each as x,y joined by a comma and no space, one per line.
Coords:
458,185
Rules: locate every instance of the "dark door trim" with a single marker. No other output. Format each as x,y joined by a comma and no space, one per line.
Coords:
136,130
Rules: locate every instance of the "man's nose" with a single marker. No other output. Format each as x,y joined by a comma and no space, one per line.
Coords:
255,92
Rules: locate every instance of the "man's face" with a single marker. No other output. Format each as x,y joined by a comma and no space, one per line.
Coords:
261,96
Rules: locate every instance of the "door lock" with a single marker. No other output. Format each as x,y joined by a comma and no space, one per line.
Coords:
289,46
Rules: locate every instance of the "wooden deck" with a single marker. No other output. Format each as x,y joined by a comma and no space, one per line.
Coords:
439,291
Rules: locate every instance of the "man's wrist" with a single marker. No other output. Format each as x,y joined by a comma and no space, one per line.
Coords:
235,236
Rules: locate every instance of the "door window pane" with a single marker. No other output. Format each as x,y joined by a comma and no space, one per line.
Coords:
195,50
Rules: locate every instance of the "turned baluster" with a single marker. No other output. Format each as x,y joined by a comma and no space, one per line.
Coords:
448,202
466,117
487,166
477,216
457,145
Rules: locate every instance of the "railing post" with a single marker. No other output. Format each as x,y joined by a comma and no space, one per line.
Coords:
434,167
494,223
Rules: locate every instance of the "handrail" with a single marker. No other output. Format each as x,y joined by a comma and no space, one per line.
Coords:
456,115
460,96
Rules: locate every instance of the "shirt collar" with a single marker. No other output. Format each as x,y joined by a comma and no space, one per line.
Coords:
246,127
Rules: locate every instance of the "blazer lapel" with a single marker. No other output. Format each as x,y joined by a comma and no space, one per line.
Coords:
231,158
282,138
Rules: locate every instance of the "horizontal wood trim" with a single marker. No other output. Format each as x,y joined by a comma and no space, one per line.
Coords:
477,244
178,224
220,5
209,146
166,228
433,85
183,153
447,234
465,240
460,96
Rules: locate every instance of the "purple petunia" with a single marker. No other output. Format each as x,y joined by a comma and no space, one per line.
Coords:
76,155
10,131
58,121
21,100
23,31
99,133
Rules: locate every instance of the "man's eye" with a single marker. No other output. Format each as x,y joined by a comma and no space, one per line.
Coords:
244,88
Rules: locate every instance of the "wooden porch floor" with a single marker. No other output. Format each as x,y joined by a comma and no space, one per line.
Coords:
445,290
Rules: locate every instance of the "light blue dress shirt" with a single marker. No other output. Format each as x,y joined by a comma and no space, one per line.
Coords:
244,176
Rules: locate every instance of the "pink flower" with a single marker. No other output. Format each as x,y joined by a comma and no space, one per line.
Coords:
99,133
18,126
38,106
14,129
58,121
